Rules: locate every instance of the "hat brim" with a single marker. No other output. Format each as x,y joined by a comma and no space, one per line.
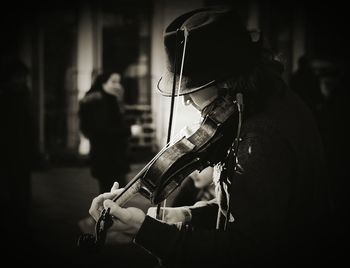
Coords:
165,85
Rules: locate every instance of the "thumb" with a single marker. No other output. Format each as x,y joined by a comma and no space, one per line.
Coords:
152,212
115,186
116,211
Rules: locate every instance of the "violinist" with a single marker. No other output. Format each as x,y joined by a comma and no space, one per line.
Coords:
269,181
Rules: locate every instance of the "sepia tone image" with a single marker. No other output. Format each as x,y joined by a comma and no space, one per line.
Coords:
163,133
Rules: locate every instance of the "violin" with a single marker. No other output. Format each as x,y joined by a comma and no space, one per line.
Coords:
166,171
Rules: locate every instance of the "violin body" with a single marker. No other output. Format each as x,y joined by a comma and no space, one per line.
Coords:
203,148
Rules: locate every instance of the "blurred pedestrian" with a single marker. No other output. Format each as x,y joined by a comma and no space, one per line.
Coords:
102,122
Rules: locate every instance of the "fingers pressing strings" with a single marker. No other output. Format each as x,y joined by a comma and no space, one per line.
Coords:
97,203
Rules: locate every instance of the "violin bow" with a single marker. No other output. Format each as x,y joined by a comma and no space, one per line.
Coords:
173,94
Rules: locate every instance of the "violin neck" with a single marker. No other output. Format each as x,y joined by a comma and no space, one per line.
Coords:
130,190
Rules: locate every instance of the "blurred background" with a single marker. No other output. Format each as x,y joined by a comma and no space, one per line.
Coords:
65,46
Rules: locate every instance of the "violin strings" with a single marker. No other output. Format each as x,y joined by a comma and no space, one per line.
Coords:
177,102
180,76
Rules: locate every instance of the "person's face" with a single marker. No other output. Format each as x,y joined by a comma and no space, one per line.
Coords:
202,98
112,85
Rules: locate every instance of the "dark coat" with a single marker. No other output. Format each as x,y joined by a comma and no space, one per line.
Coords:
102,122
275,203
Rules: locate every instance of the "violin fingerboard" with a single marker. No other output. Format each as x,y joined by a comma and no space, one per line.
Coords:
128,193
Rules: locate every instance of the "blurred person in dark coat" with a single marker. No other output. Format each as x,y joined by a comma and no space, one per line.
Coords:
102,122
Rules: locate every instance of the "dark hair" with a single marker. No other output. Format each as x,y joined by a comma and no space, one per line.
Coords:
263,79
99,81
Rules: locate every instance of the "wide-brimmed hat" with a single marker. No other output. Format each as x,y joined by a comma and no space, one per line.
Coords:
218,46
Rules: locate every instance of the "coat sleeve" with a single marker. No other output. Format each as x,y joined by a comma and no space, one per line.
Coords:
259,201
